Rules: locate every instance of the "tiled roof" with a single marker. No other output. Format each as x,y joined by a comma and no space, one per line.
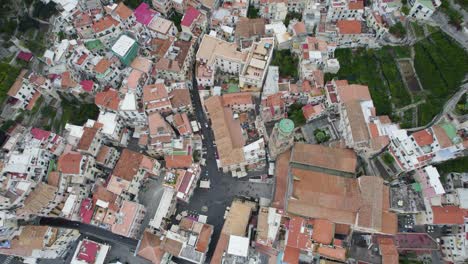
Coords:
323,231
348,27
423,137
180,98
128,165
102,66
178,161
108,99
123,11
150,247
69,163
281,174
104,23
89,133
338,159
448,215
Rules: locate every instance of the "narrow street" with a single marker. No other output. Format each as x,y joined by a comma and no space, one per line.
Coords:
213,202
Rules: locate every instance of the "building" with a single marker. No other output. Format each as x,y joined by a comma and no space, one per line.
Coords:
253,74
129,173
423,9
281,138
345,10
176,62
214,54
228,135
126,49
128,220
90,252
233,241
249,30
34,242
362,203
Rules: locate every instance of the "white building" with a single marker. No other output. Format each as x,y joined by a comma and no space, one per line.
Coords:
423,9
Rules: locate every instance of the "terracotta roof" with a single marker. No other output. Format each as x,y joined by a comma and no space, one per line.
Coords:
123,11
178,161
338,159
232,99
388,250
319,195
348,27
423,137
355,4
448,215
180,98
69,163
89,133
298,236
227,132
309,111
204,238
160,46
353,92
299,28
108,99
33,100
281,174
128,165
291,255
342,229
104,23
342,200
142,64
102,66
373,130
357,121
323,231
101,193
102,154
385,119
154,92
246,28
333,253
158,126
171,246
221,246
150,247
53,178
182,124
14,89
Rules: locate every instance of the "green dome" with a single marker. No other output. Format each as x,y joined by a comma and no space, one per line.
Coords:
286,126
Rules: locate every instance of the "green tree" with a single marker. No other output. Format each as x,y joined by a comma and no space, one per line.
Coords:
398,30
296,115
290,16
176,18
253,12
321,136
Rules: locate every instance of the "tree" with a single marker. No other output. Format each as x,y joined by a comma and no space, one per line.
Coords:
398,30
253,12
176,18
132,3
321,136
290,16
405,9
61,35
296,115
